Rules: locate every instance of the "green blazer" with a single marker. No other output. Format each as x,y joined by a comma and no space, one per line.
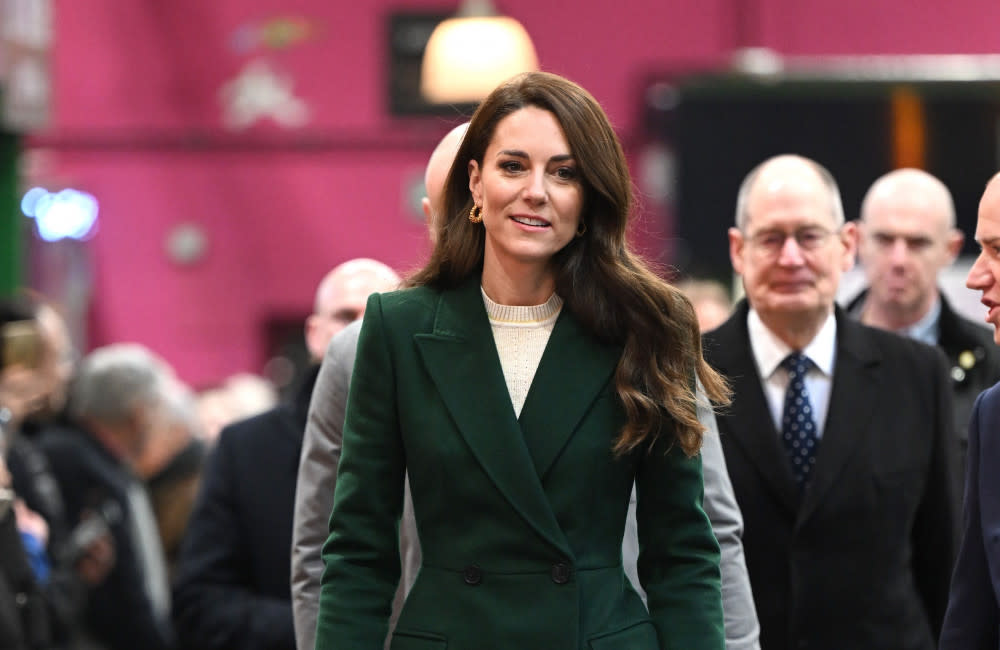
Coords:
520,520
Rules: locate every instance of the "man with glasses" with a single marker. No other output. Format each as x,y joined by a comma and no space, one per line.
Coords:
907,237
837,441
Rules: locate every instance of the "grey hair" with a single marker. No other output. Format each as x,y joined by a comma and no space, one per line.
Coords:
114,381
743,197
181,406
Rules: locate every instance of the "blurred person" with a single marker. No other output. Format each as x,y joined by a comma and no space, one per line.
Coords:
25,618
517,549
171,467
317,474
973,618
238,397
118,396
248,394
341,298
30,468
838,437
232,589
64,566
710,299
214,411
907,237
58,360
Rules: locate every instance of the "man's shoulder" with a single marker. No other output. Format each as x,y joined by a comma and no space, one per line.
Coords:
990,398
67,441
890,344
257,429
80,464
726,337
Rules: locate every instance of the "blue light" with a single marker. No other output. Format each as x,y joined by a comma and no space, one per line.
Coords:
30,200
67,214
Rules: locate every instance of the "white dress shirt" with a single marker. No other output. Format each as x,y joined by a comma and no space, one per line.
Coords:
769,351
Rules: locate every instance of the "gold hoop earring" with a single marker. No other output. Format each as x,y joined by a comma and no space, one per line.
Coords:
476,214
581,229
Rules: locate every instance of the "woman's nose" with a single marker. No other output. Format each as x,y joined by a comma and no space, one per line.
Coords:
535,190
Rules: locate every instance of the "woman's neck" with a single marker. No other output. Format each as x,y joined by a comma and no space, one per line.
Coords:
518,285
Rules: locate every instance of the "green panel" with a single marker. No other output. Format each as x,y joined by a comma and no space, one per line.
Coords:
12,244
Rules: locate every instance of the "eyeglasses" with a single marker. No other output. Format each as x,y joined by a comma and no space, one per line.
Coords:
772,241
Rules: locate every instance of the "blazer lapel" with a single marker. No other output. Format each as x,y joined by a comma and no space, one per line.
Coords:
852,404
748,420
573,370
462,360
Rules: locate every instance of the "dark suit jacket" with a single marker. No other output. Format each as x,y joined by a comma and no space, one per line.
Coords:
963,342
119,613
972,621
520,520
862,559
231,589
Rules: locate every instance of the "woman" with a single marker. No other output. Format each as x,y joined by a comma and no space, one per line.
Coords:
520,495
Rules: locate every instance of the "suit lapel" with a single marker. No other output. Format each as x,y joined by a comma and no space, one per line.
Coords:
748,420
852,403
572,372
462,360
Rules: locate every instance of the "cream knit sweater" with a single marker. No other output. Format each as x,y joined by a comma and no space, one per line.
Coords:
520,334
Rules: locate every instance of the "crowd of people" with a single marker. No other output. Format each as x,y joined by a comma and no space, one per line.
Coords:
535,441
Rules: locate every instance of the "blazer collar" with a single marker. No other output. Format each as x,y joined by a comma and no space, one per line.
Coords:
461,357
573,372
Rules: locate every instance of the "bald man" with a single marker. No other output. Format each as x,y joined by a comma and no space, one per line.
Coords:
341,298
907,238
231,589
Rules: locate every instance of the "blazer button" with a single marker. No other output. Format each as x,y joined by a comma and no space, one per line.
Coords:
560,573
472,575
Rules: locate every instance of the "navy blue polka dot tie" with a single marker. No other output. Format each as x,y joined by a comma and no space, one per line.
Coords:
798,427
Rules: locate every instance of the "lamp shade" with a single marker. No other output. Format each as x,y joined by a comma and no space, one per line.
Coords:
466,58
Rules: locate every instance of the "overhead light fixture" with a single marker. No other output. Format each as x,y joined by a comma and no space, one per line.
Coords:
471,54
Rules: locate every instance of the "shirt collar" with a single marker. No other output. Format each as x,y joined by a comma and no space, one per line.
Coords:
926,329
769,350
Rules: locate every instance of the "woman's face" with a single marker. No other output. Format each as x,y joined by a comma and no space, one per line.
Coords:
529,189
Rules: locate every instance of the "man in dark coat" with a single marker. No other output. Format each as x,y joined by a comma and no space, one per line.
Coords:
907,238
118,396
838,440
232,590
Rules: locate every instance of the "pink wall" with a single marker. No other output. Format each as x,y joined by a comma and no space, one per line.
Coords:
138,123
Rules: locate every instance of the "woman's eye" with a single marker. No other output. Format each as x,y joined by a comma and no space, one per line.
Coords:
566,173
511,166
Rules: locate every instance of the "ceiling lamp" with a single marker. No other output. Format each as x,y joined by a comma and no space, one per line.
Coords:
469,55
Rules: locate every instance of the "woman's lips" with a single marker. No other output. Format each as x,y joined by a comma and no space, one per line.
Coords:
529,221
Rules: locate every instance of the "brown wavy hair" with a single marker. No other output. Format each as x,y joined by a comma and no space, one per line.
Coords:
608,288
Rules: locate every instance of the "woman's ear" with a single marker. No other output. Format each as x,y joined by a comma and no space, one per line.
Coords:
475,182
